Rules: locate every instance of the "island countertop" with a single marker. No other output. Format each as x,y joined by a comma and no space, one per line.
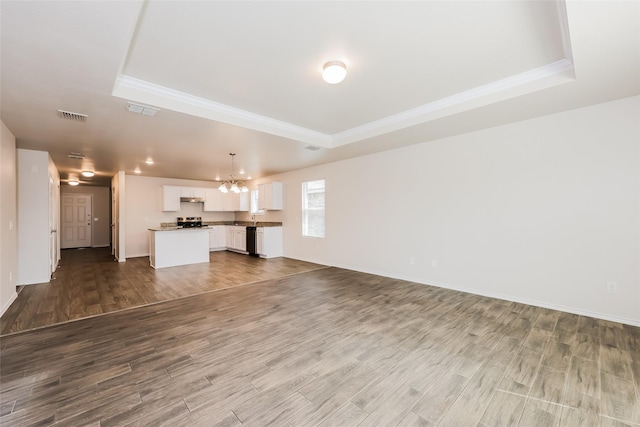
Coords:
176,228
167,226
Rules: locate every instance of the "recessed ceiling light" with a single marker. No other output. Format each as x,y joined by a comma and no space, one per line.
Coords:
88,173
137,170
334,72
149,161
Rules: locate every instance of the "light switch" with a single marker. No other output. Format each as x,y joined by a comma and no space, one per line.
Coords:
95,219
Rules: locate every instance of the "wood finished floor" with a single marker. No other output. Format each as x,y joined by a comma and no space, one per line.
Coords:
89,282
325,347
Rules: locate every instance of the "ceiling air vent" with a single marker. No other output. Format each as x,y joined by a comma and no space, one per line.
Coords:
77,117
312,148
77,156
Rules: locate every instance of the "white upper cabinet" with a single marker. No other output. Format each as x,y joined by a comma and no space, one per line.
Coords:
235,202
230,202
213,200
186,192
170,198
192,192
243,202
270,196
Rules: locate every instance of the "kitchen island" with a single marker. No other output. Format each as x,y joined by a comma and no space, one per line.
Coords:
173,246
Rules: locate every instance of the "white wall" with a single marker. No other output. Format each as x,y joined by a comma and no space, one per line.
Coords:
34,168
8,219
143,210
543,211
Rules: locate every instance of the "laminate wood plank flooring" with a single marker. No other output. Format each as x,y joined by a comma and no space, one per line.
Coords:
328,347
89,282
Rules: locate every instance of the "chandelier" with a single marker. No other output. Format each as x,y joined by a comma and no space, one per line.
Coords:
233,185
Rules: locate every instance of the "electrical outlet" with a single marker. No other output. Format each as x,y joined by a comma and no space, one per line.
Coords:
612,287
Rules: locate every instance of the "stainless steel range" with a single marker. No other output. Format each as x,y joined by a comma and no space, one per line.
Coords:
189,221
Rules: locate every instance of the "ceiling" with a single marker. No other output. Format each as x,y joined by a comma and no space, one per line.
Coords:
244,77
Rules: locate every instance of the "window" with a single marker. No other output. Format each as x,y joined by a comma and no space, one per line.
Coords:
254,204
313,208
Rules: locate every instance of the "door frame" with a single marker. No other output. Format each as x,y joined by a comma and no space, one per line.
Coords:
54,224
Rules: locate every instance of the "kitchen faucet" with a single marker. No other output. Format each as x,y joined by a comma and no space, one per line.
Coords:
253,218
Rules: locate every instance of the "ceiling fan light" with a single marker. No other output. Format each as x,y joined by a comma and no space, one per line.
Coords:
88,173
334,72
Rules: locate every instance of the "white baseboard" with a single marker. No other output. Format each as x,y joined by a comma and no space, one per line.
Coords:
139,255
536,303
6,306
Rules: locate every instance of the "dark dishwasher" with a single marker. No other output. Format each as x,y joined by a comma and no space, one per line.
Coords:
252,247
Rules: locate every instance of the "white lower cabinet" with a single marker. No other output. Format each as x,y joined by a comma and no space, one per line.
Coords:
236,238
269,241
240,236
259,240
217,238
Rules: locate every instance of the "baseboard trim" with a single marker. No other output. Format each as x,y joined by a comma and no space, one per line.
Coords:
511,298
6,306
542,304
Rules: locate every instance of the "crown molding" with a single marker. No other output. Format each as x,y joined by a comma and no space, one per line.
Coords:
549,75
543,77
149,93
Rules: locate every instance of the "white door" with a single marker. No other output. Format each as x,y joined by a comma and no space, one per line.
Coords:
75,223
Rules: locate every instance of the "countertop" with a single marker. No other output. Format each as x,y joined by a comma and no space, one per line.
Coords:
172,226
175,228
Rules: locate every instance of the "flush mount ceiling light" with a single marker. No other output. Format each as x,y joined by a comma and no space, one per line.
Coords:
334,72
88,173
149,161
74,182
142,109
233,185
